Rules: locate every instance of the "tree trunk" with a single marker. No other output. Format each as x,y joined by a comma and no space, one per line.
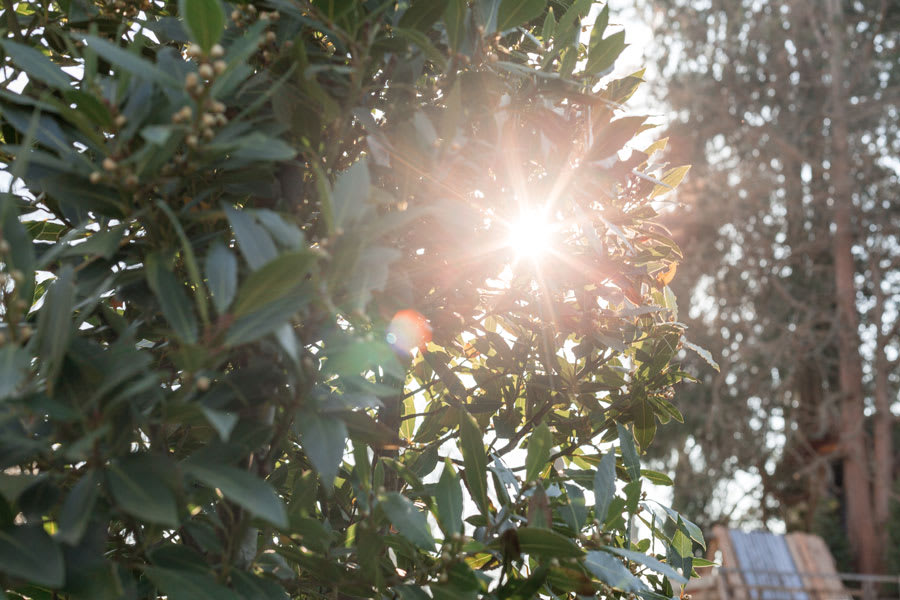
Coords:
884,420
857,490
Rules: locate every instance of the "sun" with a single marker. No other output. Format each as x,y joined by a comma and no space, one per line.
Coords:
529,235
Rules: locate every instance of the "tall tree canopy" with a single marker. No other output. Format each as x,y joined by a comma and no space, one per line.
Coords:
789,111
264,330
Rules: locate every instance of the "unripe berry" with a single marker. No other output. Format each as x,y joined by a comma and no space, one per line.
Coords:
109,164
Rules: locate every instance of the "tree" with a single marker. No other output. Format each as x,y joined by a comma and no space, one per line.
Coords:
787,115
264,336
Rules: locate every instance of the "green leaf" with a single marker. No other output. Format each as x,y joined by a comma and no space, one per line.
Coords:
14,363
188,584
604,485
671,179
475,460
575,511
546,543
138,488
253,240
221,276
539,444
423,14
682,544
644,423
323,438
268,318
205,21
103,243
351,191
513,13
174,301
222,421
256,587
409,521
656,477
449,497
12,486
703,353
649,562
129,61
260,147
455,23
241,487
55,323
27,552
273,281
77,510
603,53
629,453
37,66
612,572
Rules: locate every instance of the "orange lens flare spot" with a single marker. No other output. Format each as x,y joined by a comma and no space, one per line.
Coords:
408,329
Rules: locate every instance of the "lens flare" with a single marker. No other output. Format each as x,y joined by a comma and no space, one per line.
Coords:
408,329
529,236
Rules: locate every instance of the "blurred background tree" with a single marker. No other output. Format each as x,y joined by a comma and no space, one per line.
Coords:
788,111
331,299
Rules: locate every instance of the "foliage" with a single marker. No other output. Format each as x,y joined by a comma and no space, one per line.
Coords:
263,337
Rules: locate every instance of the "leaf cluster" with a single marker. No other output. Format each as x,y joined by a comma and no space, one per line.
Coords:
261,336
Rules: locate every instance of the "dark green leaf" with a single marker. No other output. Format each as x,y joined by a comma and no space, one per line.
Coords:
273,281
173,299
77,510
268,318
575,511
629,453
27,552
604,485
36,65
513,13
612,572
253,240
323,438
409,521
12,486
423,14
259,147
539,444
221,276
449,498
14,363
188,584
255,587
241,487
129,61
455,22
644,423
205,21
546,543
138,487
475,460
55,323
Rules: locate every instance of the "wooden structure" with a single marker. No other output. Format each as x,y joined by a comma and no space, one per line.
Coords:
797,566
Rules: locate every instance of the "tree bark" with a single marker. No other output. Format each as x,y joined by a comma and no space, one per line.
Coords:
884,420
857,487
